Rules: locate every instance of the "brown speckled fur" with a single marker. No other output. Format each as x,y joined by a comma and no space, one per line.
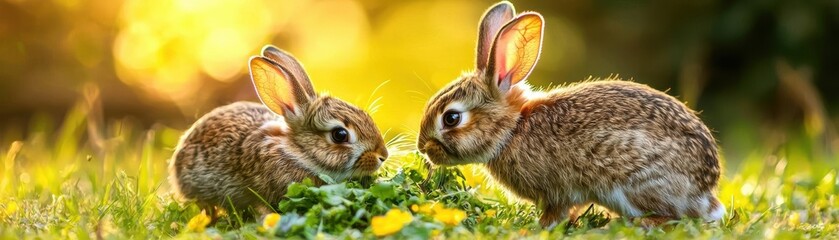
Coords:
622,145
245,146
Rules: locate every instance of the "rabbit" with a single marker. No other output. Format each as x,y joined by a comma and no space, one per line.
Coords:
244,155
622,145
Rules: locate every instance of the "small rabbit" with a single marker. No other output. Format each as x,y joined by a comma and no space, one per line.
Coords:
622,145
245,154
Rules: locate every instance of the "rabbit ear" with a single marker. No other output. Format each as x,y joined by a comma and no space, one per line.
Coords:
293,66
494,18
515,51
277,89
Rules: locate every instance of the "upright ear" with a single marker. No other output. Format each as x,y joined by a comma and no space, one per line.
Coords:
293,67
515,51
494,18
277,89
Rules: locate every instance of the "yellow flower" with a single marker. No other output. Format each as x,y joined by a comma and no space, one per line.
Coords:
424,208
435,232
451,217
490,213
427,208
472,176
544,235
393,221
198,223
794,219
436,208
11,208
270,221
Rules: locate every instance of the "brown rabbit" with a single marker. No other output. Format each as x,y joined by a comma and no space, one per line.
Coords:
622,145
239,154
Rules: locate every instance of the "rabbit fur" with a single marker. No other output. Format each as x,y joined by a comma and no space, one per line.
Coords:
622,145
244,155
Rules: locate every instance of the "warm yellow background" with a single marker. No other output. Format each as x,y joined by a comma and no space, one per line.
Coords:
758,73
412,49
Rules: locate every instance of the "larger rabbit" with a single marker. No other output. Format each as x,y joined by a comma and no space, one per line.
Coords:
244,155
622,145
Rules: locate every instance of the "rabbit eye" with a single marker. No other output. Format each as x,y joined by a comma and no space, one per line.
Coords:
340,135
451,118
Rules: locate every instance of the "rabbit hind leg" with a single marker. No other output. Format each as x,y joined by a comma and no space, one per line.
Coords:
552,214
658,205
653,221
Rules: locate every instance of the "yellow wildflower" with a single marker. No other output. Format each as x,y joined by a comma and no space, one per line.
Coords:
424,208
435,233
436,208
794,219
451,217
11,208
544,235
427,208
392,222
491,212
198,223
271,221
472,176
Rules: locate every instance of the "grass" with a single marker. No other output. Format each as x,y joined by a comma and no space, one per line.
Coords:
83,181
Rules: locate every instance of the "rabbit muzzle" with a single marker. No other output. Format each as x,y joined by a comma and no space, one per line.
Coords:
369,162
437,152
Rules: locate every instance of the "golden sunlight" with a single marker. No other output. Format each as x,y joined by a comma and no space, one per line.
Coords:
165,47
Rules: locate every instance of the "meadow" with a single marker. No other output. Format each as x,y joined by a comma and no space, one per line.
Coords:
80,180
95,94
